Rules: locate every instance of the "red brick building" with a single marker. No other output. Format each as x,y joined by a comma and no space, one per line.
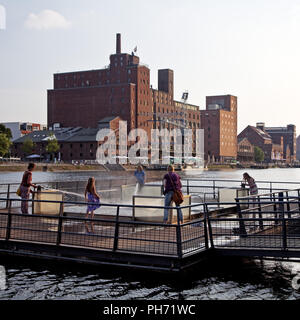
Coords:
260,138
121,89
245,151
289,136
219,122
79,144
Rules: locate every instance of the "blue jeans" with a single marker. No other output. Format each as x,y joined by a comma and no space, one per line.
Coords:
168,200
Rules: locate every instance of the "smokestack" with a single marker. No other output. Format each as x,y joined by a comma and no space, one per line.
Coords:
118,43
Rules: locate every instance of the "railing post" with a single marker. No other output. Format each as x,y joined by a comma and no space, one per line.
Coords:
209,227
205,229
281,204
59,228
261,223
284,235
9,218
243,232
178,236
271,187
188,186
32,202
133,209
298,199
275,209
214,189
116,237
8,196
288,206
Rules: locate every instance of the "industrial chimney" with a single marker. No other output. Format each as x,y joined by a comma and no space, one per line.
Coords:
118,43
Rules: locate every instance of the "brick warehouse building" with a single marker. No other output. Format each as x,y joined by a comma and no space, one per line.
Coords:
260,138
80,99
219,122
289,136
121,89
77,143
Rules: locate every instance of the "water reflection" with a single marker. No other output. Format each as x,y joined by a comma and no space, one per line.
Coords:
235,279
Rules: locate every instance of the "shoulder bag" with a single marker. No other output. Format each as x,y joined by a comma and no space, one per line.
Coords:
177,196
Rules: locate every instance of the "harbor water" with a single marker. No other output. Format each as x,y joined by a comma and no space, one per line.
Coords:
234,279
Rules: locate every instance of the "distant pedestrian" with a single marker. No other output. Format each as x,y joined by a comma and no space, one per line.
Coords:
140,178
25,187
253,192
171,184
251,183
93,199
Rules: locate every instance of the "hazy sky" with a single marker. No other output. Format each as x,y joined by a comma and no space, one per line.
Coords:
250,49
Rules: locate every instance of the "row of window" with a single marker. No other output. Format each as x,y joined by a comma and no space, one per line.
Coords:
81,145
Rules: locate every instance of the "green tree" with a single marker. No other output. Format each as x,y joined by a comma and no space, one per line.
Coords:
52,146
259,155
28,146
6,131
4,144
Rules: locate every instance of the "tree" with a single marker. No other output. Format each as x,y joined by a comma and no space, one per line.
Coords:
27,146
4,144
52,146
259,155
5,131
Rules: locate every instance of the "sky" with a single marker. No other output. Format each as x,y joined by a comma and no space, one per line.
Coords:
250,49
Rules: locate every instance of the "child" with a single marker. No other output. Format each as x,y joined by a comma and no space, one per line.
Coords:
93,200
140,178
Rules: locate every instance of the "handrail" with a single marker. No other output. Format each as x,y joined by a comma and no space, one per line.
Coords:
268,194
206,239
102,204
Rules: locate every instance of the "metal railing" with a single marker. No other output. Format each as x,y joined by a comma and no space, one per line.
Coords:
202,190
114,234
268,222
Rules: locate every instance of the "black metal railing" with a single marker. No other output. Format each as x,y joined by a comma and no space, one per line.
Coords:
204,189
112,233
264,222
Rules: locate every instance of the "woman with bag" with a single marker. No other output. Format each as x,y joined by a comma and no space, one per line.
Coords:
172,192
25,187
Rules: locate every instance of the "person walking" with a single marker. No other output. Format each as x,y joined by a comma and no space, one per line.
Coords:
93,199
25,187
171,184
140,178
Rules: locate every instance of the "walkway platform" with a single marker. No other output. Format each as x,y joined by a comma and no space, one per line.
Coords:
267,225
